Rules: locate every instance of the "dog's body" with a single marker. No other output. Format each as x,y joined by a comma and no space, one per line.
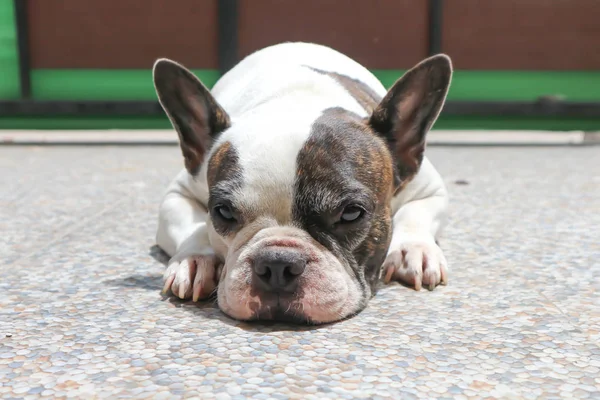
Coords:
305,184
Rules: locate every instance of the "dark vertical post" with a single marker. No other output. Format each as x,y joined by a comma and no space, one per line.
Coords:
435,27
228,34
23,47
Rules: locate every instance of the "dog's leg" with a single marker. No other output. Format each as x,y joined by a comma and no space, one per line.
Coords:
183,234
414,257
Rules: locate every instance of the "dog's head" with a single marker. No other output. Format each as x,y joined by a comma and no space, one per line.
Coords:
303,225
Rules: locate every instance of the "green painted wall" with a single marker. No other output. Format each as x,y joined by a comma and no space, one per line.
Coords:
81,84
515,85
101,84
9,61
525,85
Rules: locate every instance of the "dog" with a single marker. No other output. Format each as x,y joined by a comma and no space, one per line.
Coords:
305,184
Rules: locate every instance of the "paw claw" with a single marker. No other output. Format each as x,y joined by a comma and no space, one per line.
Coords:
168,283
417,284
196,292
444,273
388,274
181,293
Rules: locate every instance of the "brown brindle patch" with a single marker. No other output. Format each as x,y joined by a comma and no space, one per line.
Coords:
224,178
223,164
361,92
343,162
373,251
342,137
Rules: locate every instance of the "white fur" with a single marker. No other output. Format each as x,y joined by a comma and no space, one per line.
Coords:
272,100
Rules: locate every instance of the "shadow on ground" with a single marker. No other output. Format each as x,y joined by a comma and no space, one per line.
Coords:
203,309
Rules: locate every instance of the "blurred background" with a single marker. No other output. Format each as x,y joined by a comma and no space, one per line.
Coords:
86,64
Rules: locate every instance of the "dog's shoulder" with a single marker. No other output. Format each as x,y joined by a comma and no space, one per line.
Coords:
426,183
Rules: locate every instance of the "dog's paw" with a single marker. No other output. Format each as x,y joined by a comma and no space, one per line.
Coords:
195,277
416,263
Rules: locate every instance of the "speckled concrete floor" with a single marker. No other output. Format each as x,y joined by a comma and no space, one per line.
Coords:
81,314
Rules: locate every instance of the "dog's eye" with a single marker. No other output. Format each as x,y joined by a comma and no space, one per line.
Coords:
351,214
224,212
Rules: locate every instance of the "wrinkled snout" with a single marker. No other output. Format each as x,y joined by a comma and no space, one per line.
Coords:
277,269
282,273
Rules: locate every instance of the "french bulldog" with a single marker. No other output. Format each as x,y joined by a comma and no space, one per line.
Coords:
305,184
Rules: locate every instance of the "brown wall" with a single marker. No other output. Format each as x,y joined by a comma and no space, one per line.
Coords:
522,34
122,33
381,34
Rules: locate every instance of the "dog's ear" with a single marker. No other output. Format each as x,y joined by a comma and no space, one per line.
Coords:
408,111
193,111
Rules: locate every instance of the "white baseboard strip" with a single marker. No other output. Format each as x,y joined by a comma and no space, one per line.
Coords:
166,137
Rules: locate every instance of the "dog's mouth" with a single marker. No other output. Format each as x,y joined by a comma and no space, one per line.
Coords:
280,308
279,315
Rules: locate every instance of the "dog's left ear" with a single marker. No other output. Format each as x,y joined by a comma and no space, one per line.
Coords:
193,111
408,111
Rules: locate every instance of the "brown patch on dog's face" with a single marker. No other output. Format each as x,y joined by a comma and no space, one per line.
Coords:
223,165
374,249
345,165
224,177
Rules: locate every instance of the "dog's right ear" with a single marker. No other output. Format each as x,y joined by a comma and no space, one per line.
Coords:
193,111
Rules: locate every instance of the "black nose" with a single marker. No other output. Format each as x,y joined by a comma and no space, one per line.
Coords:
277,270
